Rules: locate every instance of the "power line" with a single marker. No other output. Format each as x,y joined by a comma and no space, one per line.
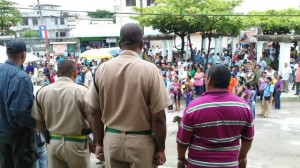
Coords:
166,14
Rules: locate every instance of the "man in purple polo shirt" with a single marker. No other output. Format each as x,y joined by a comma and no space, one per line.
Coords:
213,125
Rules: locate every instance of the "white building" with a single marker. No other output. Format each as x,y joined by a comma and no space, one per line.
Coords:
55,21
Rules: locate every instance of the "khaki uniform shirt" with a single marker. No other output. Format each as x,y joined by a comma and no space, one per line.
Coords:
130,91
61,105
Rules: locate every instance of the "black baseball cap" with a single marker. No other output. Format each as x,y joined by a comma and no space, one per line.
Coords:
15,46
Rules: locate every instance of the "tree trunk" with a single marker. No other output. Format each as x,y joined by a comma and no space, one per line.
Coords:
182,44
191,48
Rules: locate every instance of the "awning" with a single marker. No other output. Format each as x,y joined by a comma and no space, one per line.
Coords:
65,42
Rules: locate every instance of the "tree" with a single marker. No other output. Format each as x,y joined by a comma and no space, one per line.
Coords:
102,14
29,33
275,24
170,17
9,16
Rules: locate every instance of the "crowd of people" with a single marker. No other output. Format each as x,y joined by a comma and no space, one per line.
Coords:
122,104
250,80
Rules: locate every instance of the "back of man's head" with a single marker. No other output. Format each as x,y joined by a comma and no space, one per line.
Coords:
66,68
219,76
15,47
131,36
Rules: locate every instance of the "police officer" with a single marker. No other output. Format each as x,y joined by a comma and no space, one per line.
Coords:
128,96
17,140
60,109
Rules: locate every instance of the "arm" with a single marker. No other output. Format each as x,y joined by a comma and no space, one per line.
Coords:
159,130
245,147
243,95
41,126
181,150
97,126
21,97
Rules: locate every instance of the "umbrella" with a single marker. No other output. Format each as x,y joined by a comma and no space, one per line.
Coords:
96,54
3,57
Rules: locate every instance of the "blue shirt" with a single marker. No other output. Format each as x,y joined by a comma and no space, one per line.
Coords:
268,90
16,99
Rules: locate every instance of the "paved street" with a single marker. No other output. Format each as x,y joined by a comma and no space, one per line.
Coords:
276,144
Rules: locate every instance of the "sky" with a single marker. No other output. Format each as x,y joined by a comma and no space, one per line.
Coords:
247,6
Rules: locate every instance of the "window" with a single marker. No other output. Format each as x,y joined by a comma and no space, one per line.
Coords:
63,34
25,21
35,21
149,2
62,21
56,34
130,2
56,21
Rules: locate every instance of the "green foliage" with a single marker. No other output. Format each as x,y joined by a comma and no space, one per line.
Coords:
9,16
172,17
276,24
30,33
102,14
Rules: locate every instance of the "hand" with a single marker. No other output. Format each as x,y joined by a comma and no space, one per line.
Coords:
159,158
242,162
181,164
99,152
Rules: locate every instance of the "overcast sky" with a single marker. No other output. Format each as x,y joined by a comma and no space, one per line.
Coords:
248,5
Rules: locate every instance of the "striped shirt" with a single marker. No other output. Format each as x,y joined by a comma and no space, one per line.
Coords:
212,127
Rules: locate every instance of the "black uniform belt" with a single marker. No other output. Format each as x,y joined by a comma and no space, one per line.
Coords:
148,132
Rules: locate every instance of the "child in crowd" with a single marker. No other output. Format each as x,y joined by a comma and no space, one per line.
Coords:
188,95
253,98
171,95
45,81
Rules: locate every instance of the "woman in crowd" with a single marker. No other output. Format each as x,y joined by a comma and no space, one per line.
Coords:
277,90
192,71
199,81
253,98
247,93
176,88
232,84
189,83
239,89
241,73
273,82
249,77
270,72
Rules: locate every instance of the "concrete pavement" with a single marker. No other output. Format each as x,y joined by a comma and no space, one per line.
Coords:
276,143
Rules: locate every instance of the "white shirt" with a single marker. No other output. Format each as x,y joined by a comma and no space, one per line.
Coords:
285,73
295,67
270,74
88,77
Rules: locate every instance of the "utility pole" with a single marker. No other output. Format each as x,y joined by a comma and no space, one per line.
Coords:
42,23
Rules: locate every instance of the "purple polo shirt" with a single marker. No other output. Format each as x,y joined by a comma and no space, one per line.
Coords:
212,126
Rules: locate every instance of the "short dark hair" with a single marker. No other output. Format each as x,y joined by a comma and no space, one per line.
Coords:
66,68
131,35
220,76
269,78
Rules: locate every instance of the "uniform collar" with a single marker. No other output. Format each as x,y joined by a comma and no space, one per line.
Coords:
10,62
64,79
128,53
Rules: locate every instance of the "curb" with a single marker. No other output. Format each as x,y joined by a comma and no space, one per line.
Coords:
290,99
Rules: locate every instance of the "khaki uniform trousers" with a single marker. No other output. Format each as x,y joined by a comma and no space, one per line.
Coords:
266,108
128,151
64,154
